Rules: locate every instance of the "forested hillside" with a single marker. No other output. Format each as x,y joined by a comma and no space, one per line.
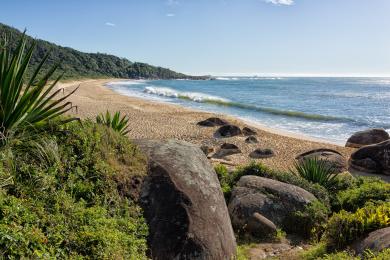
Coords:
78,64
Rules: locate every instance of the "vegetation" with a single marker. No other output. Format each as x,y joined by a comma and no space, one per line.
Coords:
316,171
70,195
92,65
31,104
116,122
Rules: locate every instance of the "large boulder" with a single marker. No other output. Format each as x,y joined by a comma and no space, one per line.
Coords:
376,241
372,158
228,131
274,200
212,121
367,137
226,149
331,157
183,204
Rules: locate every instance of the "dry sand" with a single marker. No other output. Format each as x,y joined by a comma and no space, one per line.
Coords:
155,120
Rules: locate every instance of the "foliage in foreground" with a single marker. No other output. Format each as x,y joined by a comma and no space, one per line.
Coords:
26,104
316,171
70,196
116,122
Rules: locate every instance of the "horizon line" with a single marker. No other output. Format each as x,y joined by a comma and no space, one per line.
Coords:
292,75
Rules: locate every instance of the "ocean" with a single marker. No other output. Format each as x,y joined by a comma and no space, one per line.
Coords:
327,108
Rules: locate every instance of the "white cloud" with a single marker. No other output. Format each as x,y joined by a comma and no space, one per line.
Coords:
280,2
172,2
110,24
170,15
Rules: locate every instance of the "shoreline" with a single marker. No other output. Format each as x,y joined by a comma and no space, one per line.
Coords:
150,119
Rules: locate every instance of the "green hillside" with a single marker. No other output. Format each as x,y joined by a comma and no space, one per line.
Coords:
78,64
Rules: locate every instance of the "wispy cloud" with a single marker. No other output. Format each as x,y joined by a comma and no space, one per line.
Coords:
172,2
170,15
280,2
110,24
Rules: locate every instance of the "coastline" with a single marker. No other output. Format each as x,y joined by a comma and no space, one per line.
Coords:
159,120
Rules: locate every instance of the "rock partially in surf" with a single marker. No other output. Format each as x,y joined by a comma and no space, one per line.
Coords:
212,121
367,137
206,149
228,131
248,131
251,140
226,150
373,158
332,158
261,153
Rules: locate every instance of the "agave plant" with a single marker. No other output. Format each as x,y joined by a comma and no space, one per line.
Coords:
116,122
27,102
316,171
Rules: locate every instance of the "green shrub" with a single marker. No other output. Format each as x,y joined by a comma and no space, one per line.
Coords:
223,177
362,191
345,227
26,104
79,206
316,171
116,122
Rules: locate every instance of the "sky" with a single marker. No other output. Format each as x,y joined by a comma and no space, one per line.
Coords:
220,37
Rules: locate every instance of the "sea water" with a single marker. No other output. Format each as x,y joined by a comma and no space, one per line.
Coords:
328,108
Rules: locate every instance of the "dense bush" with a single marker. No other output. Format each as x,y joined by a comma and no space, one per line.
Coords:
72,195
361,191
345,227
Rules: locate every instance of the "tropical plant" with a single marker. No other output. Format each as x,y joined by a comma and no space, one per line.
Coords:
116,122
26,103
316,171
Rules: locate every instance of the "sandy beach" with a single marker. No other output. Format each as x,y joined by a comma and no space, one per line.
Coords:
155,120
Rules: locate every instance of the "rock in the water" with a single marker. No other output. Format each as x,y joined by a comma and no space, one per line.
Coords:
331,157
251,140
259,226
248,131
183,204
273,199
226,149
376,241
228,131
372,158
367,137
207,149
261,153
213,121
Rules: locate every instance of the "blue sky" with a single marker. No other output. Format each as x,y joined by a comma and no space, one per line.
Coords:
265,37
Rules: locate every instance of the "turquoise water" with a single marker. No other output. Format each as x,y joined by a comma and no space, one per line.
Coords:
327,108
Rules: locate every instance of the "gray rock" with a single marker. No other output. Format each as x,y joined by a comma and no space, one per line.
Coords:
251,140
226,150
376,241
212,121
367,137
228,131
331,157
207,149
372,158
273,199
261,153
183,204
248,131
261,227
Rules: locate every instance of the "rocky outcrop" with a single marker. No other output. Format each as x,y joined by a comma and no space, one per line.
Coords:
251,140
212,121
248,131
333,158
372,158
367,137
183,204
274,200
226,150
376,241
261,153
228,131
